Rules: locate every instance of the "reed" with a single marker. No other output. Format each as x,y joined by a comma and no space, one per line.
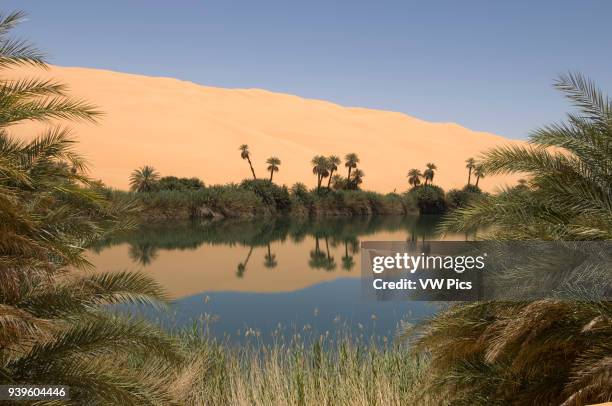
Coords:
308,370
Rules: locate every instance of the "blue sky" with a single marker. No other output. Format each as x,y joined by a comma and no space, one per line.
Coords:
487,65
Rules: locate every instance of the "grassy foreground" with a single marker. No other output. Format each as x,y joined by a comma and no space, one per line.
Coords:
347,371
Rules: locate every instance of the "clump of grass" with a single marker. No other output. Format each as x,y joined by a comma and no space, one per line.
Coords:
229,201
357,203
258,198
309,370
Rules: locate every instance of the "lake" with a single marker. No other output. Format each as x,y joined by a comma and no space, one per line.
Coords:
265,278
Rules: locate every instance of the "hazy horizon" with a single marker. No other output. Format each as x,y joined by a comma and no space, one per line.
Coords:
486,66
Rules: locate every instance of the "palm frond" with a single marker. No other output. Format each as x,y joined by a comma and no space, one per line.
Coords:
90,292
98,335
21,89
55,326
47,109
586,96
15,52
547,351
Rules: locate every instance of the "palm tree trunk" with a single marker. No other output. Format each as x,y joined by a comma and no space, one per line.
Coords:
477,180
425,181
348,178
469,176
329,180
319,180
271,173
252,170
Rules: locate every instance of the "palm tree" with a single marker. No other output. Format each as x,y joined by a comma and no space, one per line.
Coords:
558,351
429,173
320,167
273,164
246,154
333,161
479,172
350,161
568,195
414,177
357,180
144,179
55,324
470,164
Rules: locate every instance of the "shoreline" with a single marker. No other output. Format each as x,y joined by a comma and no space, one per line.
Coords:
269,200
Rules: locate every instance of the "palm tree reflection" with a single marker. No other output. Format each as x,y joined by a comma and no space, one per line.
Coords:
242,266
322,260
147,241
317,258
348,261
143,254
270,259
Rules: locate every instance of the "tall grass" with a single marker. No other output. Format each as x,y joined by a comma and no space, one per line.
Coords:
251,199
228,201
319,371
357,203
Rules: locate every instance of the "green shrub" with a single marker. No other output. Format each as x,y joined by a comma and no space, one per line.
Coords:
168,203
230,201
235,201
392,203
456,198
472,189
174,183
339,182
300,195
429,199
271,194
356,203
258,198
353,201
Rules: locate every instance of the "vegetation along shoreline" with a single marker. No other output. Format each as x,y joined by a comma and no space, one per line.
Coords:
172,198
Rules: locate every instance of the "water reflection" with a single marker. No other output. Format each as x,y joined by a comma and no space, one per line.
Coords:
348,261
242,266
270,259
262,273
146,242
189,258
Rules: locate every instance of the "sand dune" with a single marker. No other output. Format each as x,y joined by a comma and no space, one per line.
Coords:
185,129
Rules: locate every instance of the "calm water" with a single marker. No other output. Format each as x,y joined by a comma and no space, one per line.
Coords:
262,278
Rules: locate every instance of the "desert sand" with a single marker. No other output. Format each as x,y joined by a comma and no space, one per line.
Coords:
185,129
